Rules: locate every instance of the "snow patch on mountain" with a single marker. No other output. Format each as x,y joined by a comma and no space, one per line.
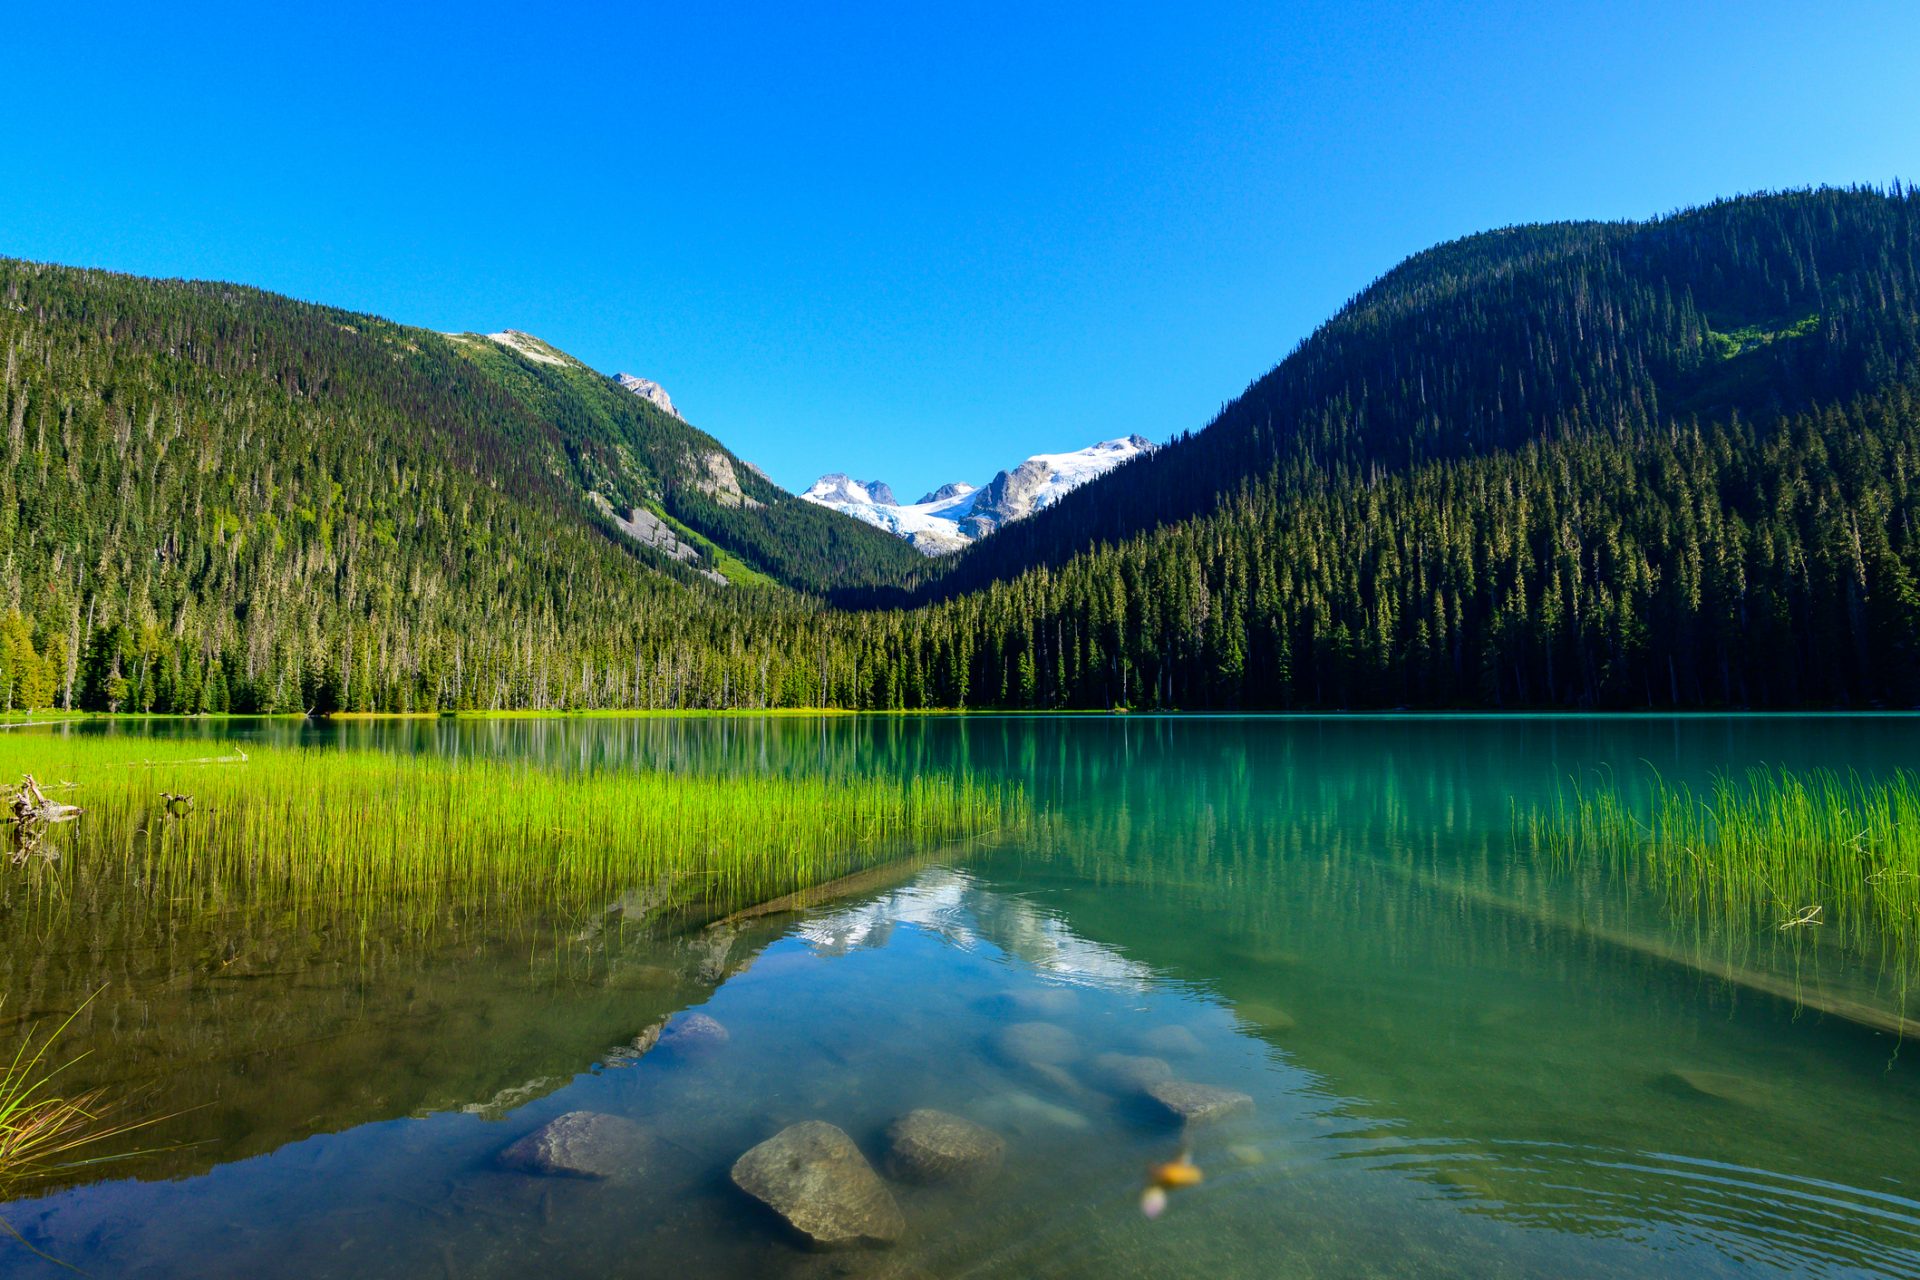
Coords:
957,514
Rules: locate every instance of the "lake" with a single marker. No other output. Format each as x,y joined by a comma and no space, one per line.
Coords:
1440,1052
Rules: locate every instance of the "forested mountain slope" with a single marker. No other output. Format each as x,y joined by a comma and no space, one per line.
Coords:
1758,306
1655,465
232,499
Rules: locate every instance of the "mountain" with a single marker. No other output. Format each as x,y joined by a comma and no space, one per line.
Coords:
1759,306
844,489
956,515
636,466
649,390
1662,464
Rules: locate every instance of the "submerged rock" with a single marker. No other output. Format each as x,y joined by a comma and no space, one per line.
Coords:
934,1146
693,1033
1170,1042
813,1176
1039,1000
1721,1086
1265,1017
1125,1073
1024,1113
1192,1103
1036,1044
582,1144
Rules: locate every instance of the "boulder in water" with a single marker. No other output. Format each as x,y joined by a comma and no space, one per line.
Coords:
1190,1103
813,1176
1126,1074
1265,1017
693,1033
1721,1086
933,1146
582,1144
1170,1041
1039,1001
1029,1044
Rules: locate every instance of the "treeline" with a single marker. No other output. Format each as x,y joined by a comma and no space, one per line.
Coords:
1697,566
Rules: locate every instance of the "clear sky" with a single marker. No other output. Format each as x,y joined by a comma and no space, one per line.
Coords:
915,242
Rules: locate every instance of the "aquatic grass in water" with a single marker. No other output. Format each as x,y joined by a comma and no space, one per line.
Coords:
291,827
1775,848
40,1129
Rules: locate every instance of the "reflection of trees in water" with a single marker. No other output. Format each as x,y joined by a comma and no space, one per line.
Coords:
254,1027
1477,1006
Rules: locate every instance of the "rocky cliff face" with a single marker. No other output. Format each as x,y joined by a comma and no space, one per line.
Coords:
957,514
649,390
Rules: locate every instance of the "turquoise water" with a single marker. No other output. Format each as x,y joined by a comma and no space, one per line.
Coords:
1462,1059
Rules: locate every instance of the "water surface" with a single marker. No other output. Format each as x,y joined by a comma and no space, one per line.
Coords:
1463,1059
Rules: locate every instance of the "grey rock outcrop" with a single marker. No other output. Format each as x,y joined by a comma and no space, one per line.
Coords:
649,390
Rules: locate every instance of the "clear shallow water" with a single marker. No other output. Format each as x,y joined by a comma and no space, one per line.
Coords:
1463,1061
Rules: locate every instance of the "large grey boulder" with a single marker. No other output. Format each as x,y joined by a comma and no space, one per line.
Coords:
1192,1104
813,1176
934,1146
582,1144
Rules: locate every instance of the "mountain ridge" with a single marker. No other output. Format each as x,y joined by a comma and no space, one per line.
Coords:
958,514
1662,464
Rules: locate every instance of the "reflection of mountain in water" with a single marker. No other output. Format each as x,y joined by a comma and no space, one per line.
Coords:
251,1035
952,906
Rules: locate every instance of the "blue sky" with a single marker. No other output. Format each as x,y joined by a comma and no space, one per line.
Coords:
912,242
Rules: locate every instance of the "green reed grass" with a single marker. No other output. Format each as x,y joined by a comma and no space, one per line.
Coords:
41,1129
1817,850
290,827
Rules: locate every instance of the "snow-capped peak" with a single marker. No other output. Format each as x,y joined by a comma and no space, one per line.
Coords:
957,514
649,390
838,487
948,492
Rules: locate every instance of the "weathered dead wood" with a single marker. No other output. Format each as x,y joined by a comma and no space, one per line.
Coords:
28,803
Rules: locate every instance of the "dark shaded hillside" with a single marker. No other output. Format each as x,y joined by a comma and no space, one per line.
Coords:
1762,306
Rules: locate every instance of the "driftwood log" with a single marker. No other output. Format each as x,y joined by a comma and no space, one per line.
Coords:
32,811
28,803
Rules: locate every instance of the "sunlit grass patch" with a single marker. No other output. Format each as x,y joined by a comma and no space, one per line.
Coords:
198,825
1777,848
